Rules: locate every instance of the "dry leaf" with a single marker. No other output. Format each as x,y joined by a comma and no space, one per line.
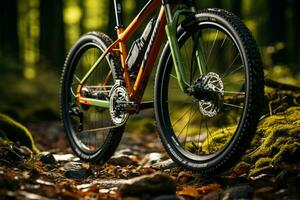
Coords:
189,192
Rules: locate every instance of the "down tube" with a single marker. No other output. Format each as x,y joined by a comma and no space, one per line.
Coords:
150,57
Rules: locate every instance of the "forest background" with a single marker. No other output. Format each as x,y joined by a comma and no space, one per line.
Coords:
35,36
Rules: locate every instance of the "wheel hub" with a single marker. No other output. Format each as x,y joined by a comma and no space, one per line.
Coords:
209,90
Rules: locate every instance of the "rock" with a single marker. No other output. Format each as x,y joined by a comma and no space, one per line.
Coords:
47,158
22,151
293,186
214,195
126,151
75,170
167,164
151,159
167,197
264,193
14,153
284,176
282,194
239,192
121,160
148,186
64,157
184,177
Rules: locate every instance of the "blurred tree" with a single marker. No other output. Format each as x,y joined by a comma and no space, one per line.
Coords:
277,20
52,37
9,41
236,7
297,31
112,21
278,29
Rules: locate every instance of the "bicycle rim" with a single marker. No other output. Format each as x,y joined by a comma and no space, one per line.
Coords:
203,128
89,126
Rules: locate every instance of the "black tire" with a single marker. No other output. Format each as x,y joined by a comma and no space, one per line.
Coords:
217,28
95,144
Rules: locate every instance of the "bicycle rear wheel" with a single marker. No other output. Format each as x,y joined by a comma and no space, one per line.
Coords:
90,131
208,129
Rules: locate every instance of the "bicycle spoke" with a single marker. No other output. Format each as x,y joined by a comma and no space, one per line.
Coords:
181,117
232,105
232,92
187,124
237,69
231,65
224,41
173,76
211,49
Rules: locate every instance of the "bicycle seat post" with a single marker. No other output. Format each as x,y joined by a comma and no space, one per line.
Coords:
119,14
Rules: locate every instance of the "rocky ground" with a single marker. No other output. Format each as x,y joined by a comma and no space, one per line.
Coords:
140,169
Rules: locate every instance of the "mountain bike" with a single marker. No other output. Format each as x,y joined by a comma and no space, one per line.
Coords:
207,93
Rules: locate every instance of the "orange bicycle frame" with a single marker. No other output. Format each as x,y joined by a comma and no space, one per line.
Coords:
136,90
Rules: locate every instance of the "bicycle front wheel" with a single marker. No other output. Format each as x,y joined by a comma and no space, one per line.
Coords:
208,129
89,129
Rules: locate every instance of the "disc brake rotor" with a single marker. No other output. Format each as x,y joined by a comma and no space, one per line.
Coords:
212,82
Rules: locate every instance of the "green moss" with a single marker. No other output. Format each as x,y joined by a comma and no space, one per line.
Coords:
277,141
16,132
263,162
217,140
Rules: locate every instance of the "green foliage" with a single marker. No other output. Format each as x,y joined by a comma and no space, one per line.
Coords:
15,132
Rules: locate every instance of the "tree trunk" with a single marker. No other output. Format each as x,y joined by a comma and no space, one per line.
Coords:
297,33
52,37
112,21
9,41
237,7
277,26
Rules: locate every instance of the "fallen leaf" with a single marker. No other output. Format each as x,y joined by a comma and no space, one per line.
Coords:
189,191
208,188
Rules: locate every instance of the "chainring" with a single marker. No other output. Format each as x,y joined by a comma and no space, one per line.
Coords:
117,96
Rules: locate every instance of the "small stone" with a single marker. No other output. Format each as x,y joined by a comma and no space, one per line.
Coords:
75,170
148,186
25,151
184,177
283,177
167,164
64,157
214,195
48,158
12,153
21,152
126,151
167,197
239,192
121,160
264,193
281,194
293,186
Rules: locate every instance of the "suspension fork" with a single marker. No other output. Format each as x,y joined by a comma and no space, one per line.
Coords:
171,31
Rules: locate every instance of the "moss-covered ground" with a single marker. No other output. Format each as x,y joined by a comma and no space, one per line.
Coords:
11,130
277,142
